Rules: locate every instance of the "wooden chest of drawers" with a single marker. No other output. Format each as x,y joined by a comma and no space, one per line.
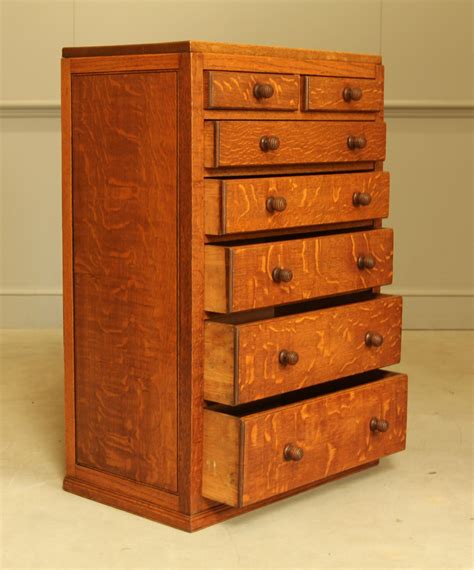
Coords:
224,328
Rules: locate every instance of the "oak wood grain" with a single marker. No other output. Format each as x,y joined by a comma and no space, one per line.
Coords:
326,93
240,205
242,361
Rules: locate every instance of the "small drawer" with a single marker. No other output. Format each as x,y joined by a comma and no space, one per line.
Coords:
237,90
246,362
254,454
242,277
342,94
263,143
256,204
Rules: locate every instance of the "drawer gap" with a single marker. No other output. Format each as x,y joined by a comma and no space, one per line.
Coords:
281,173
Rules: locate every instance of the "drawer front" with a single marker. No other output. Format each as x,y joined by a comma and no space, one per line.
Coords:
342,94
254,143
250,276
255,204
252,361
234,90
254,457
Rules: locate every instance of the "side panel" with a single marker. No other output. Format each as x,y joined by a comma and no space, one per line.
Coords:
124,137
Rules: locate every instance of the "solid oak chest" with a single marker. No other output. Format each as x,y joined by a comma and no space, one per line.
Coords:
224,329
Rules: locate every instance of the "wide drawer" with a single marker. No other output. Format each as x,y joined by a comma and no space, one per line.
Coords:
342,94
255,204
240,90
253,143
246,362
243,277
251,456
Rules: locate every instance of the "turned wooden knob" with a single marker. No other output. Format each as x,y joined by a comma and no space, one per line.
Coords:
354,142
288,357
378,425
366,262
269,143
293,453
263,91
276,204
352,94
373,339
361,199
281,275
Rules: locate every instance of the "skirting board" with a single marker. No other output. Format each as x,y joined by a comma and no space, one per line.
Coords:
430,311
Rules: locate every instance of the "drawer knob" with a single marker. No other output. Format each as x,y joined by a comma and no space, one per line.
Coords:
354,142
373,339
378,425
352,94
269,143
366,262
361,199
276,204
293,453
263,91
288,357
281,275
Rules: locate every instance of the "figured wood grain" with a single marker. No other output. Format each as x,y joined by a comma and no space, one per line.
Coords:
242,361
233,90
237,143
125,270
239,205
321,266
333,430
326,93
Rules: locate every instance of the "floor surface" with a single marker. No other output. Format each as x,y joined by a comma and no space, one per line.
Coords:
412,511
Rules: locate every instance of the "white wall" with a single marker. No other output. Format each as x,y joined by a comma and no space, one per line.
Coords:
428,56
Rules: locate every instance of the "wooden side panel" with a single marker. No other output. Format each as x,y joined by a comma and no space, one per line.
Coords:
241,204
219,362
217,290
125,264
237,143
221,466
333,432
326,94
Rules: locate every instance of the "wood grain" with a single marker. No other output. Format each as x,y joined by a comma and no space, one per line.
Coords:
326,93
333,431
242,361
125,271
233,90
237,143
321,266
239,205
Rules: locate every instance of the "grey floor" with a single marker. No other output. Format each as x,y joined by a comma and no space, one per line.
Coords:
412,511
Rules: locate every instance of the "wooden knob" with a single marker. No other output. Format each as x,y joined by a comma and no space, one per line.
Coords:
373,339
269,143
281,275
276,204
354,142
288,357
366,262
378,425
361,199
352,94
263,91
293,453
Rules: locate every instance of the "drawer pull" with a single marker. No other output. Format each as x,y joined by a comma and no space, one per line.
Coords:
276,204
361,199
378,425
281,275
293,453
269,143
263,91
352,94
366,262
373,339
356,142
288,357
